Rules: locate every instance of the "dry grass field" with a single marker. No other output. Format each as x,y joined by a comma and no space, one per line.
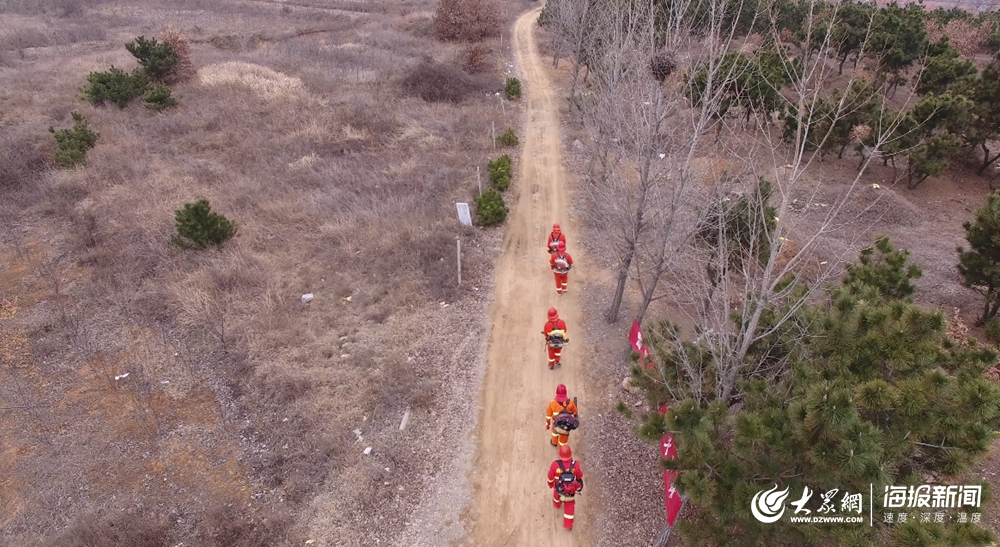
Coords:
153,396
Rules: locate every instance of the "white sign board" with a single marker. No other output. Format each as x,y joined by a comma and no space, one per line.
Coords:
464,216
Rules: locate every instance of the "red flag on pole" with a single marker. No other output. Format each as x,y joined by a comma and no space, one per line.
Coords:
635,338
674,504
668,451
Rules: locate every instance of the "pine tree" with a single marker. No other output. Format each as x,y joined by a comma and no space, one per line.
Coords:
72,144
198,227
980,265
156,58
872,392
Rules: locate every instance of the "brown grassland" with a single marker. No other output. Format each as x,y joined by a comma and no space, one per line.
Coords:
244,414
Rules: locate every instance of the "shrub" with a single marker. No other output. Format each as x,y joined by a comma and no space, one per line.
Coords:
992,42
183,69
467,20
475,59
22,158
508,138
158,98
993,331
157,59
545,16
134,529
490,208
115,86
437,82
73,144
662,66
500,172
198,227
513,89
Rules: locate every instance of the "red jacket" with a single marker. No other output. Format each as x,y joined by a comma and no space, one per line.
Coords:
564,256
553,325
573,466
554,242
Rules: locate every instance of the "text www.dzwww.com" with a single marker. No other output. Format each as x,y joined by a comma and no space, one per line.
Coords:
827,519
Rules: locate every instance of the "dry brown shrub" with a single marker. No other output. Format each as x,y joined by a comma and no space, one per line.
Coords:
966,36
22,159
475,59
184,69
934,31
467,20
227,526
436,82
379,123
119,530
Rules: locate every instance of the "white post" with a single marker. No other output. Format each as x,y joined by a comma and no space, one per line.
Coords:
494,124
458,243
479,181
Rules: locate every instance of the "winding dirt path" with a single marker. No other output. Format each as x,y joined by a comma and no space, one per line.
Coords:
513,505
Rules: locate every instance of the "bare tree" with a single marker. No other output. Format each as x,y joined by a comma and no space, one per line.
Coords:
573,25
733,247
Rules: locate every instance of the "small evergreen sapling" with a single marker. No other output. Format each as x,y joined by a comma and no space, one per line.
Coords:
158,98
512,89
198,227
490,208
73,144
156,58
508,138
500,172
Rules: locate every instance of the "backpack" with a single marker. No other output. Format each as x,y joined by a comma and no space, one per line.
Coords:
566,481
553,245
565,421
557,338
561,264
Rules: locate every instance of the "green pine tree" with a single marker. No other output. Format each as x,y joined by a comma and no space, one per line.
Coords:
861,388
156,58
198,227
980,265
72,144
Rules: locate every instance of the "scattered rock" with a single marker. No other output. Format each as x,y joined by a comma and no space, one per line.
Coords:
628,386
578,145
307,298
368,451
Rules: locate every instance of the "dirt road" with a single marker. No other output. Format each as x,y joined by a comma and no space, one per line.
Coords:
513,506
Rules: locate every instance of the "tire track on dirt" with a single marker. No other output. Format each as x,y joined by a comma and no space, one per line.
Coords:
512,503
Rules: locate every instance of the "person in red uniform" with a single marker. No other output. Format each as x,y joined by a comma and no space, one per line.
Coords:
557,406
554,238
566,481
561,262
554,324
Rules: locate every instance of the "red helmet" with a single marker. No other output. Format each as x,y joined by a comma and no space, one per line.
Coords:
553,314
565,453
555,228
562,245
561,393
